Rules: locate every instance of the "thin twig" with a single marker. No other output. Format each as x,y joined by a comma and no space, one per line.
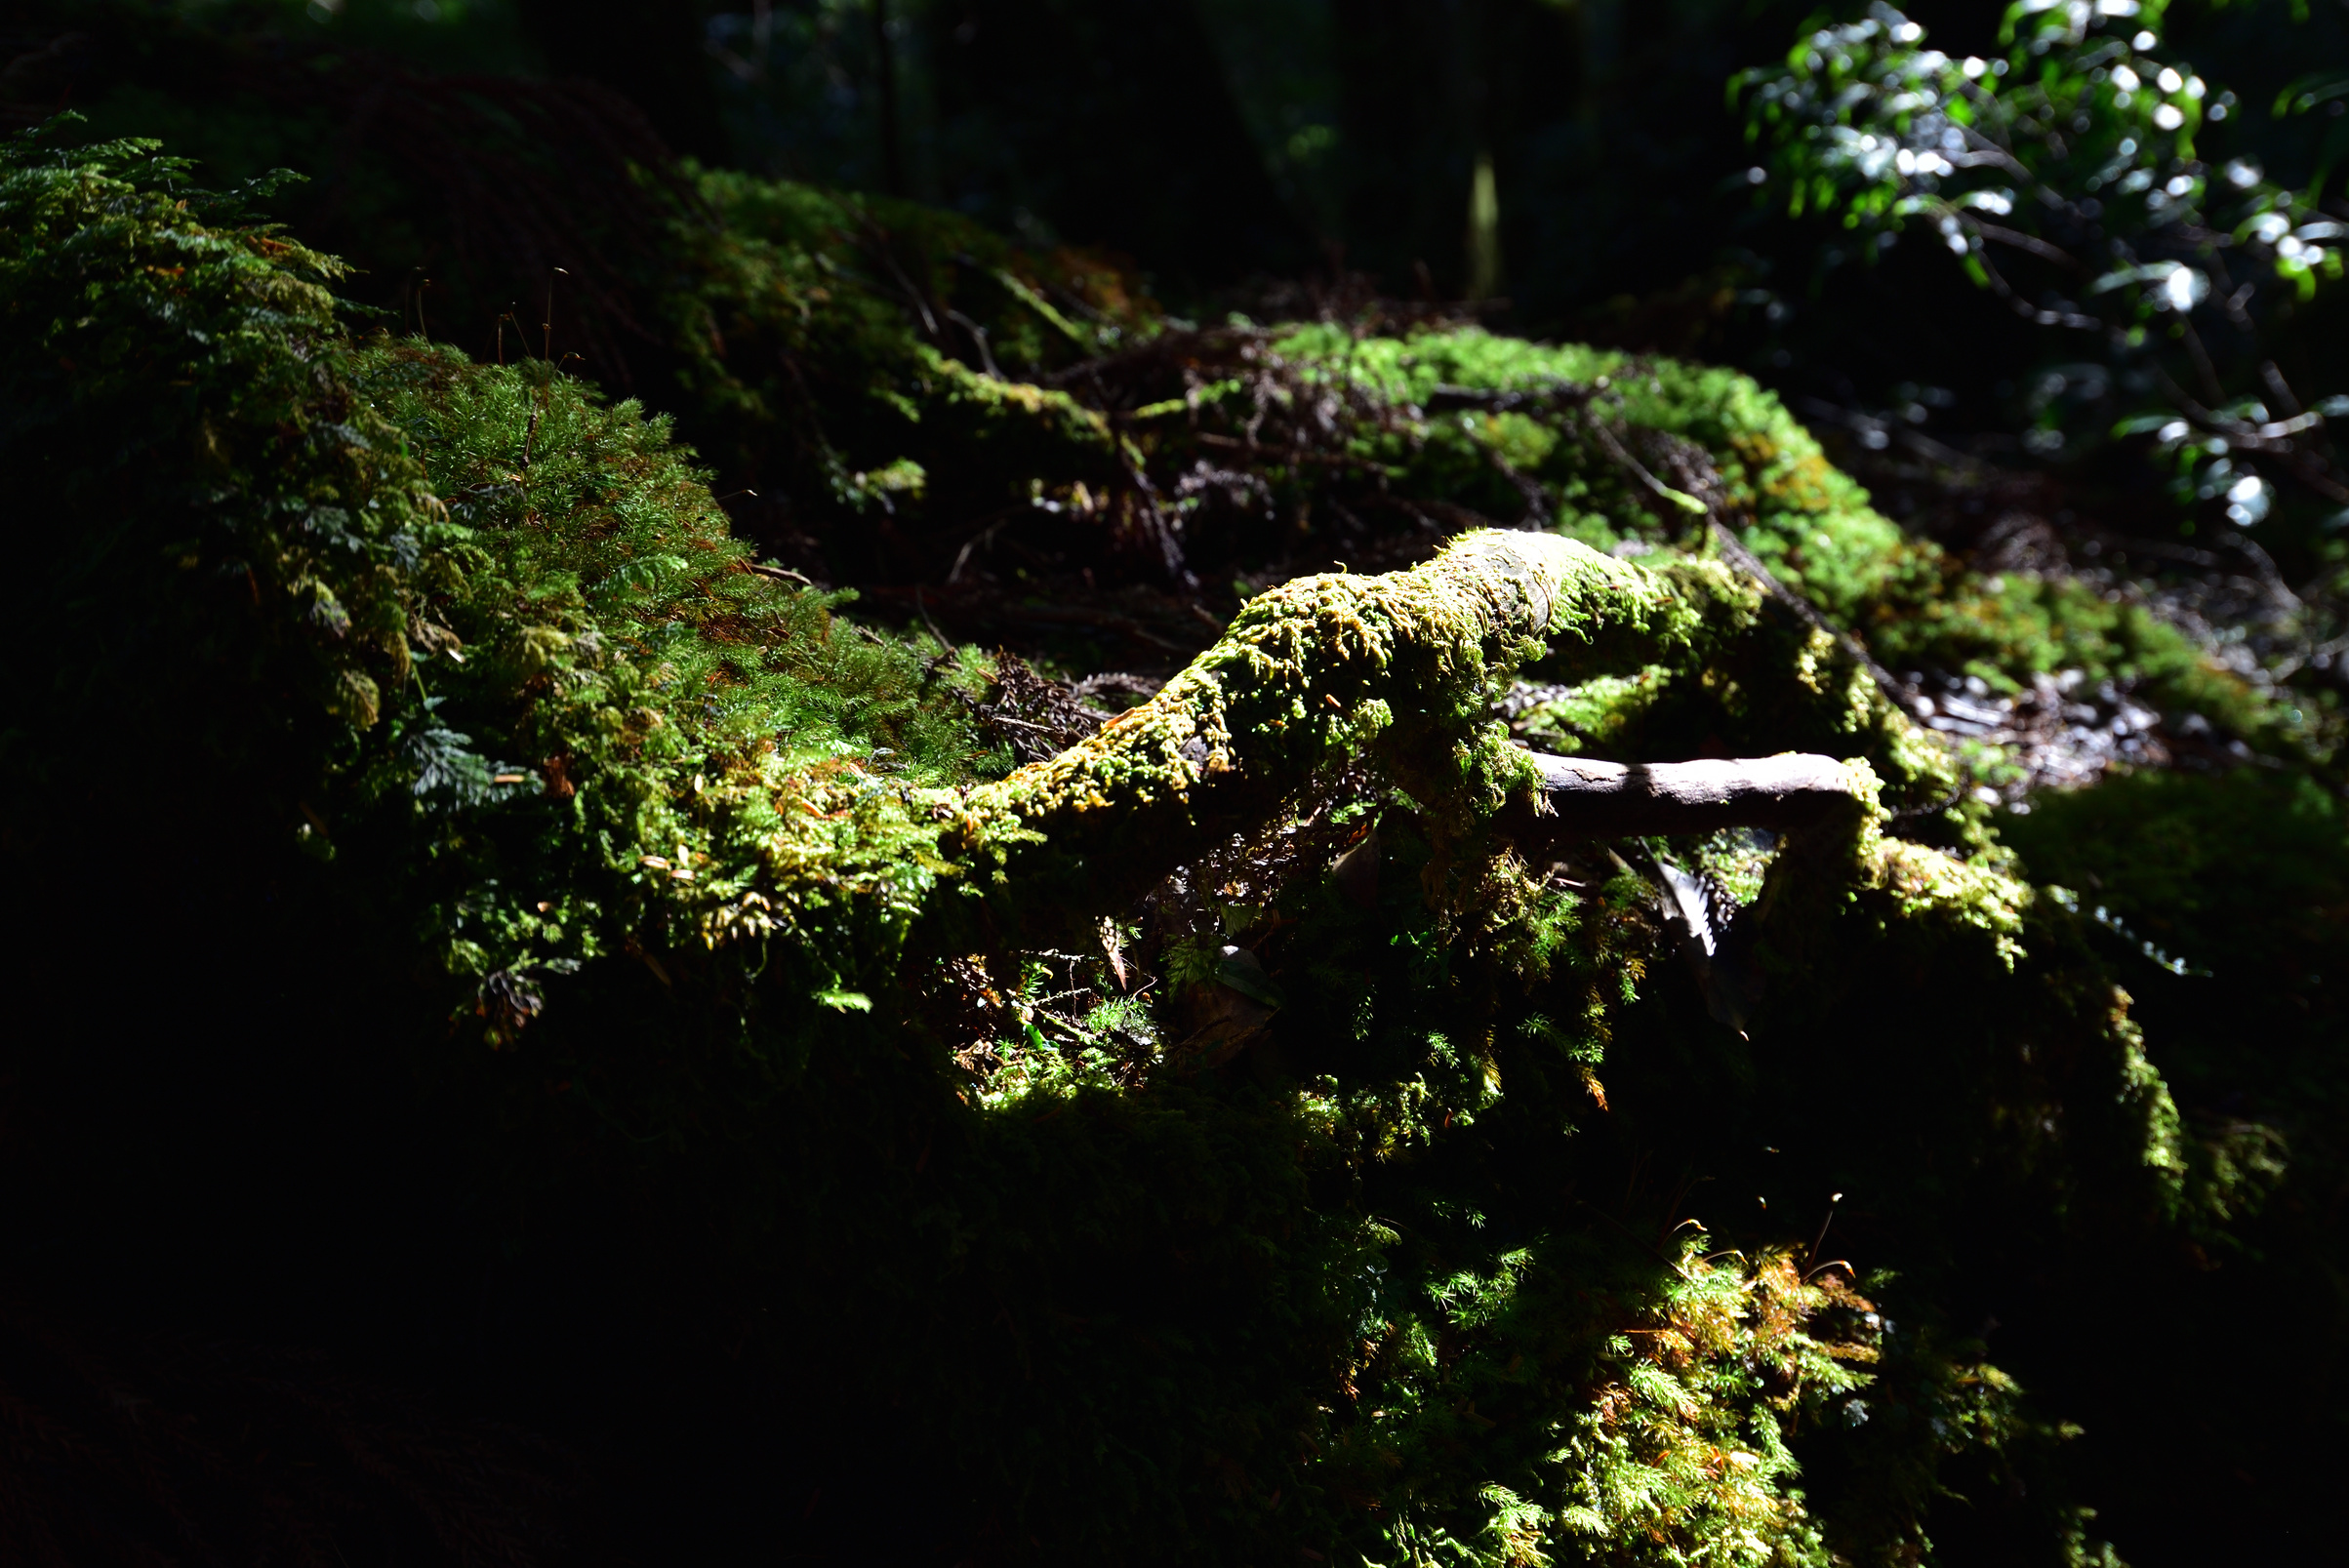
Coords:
943,641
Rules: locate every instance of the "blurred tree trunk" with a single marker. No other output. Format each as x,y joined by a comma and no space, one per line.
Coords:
648,50
1112,121
1429,94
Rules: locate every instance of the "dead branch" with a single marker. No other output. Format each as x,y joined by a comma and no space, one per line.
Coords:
1582,798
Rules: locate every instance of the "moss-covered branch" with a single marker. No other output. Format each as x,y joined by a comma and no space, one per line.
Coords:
1404,662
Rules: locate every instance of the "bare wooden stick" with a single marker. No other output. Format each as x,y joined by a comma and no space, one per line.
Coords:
1582,798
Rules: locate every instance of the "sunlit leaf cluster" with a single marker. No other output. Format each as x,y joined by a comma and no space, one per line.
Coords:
2069,177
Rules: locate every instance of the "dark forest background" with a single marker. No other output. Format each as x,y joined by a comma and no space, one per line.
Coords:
1229,152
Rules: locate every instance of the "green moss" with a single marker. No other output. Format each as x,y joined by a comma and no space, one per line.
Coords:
702,751
1809,523
2219,898
1680,1388
1404,664
691,851
820,343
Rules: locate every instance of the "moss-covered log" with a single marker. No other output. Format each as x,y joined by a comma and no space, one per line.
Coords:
1403,663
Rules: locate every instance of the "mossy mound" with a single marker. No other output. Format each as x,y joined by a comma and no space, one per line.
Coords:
537,888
